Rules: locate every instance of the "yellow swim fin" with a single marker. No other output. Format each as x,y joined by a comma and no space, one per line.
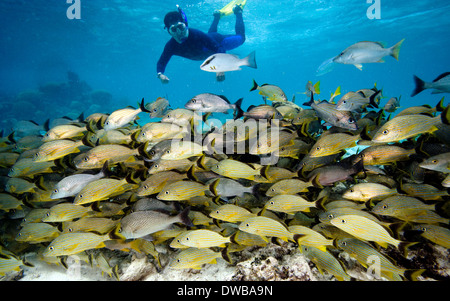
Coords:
228,9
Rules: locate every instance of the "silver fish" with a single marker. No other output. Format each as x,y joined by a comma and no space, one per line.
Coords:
223,62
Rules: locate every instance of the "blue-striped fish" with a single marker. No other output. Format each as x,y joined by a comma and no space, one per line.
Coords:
365,229
122,117
236,170
194,258
437,234
309,237
363,192
231,213
102,189
56,149
332,144
74,243
66,212
203,238
366,256
182,191
407,126
11,263
289,203
325,262
265,226
34,233
394,205
288,186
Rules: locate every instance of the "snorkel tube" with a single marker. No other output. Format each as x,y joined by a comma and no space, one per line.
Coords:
182,14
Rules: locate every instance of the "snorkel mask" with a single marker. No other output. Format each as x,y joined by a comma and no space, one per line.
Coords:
179,30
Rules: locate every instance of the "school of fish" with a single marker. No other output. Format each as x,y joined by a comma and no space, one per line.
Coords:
328,176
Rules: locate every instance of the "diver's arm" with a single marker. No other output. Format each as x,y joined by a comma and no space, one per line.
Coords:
162,63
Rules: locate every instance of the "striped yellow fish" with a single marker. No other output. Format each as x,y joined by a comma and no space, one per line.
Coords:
367,255
363,192
193,258
324,261
159,166
203,238
394,205
365,229
156,182
236,169
64,131
289,204
309,237
407,126
265,226
288,186
99,225
122,117
102,189
231,213
332,144
34,233
56,149
27,167
65,212
182,191
11,263
384,154
424,191
74,243
9,202
97,156
159,131
182,149
437,234
247,239
179,116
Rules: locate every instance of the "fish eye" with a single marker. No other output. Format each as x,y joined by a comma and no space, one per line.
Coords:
47,214
434,161
19,234
352,190
344,243
247,225
85,159
193,100
343,221
70,229
156,165
187,238
168,151
145,187
272,202
423,229
155,110
51,248
106,123
120,230
217,211
178,260
318,148
385,132
385,206
344,101
273,189
351,120
80,196
330,216
55,191
166,192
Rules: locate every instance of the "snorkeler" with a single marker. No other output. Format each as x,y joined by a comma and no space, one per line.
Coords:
194,44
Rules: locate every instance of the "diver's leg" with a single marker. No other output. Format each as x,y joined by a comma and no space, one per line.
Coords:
213,27
232,41
239,26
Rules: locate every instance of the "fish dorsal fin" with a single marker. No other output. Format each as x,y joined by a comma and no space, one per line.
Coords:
441,76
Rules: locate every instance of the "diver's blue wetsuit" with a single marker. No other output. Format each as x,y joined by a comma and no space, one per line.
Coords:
199,45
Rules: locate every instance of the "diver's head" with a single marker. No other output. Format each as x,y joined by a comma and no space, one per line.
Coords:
176,24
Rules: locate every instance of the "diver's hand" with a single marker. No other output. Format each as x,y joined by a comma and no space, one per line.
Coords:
164,79
220,76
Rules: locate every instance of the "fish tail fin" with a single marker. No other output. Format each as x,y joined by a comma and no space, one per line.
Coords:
440,105
317,87
251,60
373,97
142,106
226,255
445,115
420,86
255,86
238,112
184,217
412,275
403,247
396,49
310,102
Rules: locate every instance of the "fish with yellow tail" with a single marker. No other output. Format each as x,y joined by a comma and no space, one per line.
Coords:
265,226
367,52
122,117
365,229
74,243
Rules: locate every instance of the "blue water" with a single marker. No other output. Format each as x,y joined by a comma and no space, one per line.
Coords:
116,43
